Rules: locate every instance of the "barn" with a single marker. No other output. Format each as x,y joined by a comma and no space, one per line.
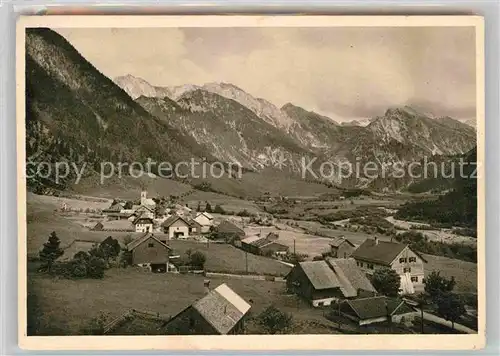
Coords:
148,250
220,312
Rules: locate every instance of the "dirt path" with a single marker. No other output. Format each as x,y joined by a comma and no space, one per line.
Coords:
459,327
256,277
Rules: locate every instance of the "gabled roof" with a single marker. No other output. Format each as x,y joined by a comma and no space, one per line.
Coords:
352,278
142,220
259,241
320,274
142,239
170,220
222,308
272,236
376,307
381,252
279,246
228,227
117,214
251,239
193,223
209,216
339,240
142,207
116,207
337,273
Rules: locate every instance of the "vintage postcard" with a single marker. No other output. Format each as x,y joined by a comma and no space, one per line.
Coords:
251,182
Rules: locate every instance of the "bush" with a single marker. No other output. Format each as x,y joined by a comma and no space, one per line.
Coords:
197,259
83,265
244,213
418,242
386,281
274,321
96,267
219,210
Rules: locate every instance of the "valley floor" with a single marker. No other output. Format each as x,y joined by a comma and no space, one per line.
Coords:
66,307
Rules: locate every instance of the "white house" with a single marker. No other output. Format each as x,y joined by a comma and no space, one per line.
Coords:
374,254
176,227
205,220
143,224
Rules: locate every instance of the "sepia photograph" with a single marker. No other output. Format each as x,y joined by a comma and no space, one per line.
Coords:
252,176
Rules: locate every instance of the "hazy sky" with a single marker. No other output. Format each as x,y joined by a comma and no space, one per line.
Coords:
341,72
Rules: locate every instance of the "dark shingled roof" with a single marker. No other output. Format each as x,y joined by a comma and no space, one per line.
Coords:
143,220
228,227
116,207
173,219
339,240
383,252
376,307
143,238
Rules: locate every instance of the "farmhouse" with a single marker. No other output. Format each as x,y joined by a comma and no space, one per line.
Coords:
321,282
143,224
264,245
117,216
176,227
181,210
114,208
194,227
229,232
148,250
374,254
220,312
340,247
371,310
206,221
143,210
114,225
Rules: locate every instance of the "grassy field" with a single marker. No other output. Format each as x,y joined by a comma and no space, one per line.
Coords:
41,222
130,188
228,203
465,273
229,259
63,307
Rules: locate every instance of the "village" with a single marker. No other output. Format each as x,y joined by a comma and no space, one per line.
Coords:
239,268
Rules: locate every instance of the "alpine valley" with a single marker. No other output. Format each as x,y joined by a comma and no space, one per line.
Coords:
75,113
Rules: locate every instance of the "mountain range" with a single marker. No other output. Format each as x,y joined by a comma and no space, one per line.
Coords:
74,112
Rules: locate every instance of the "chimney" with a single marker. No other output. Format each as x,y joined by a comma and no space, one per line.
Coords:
376,240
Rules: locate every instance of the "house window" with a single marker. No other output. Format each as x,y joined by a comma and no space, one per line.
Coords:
370,266
345,254
413,259
405,270
361,264
151,244
402,260
414,279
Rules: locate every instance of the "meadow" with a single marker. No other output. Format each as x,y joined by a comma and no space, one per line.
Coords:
66,307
